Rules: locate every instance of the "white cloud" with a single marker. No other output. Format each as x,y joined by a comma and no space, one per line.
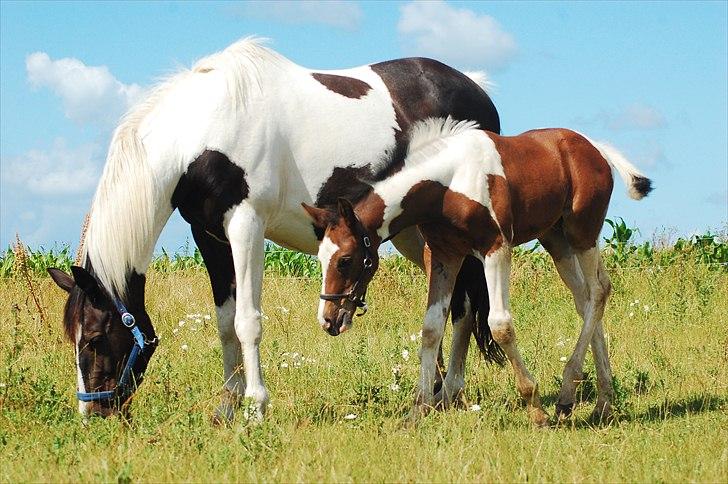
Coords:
90,94
636,116
455,35
335,13
633,117
62,170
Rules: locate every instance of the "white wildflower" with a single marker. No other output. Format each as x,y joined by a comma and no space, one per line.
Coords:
175,331
646,308
198,320
284,365
207,317
396,370
394,387
184,347
284,310
405,355
631,314
181,322
413,337
562,359
475,407
350,416
3,385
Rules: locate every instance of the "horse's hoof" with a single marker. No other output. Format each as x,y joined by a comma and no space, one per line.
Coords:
602,413
539,418
563,410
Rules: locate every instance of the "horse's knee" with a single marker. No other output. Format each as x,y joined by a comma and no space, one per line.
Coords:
501,327
248,327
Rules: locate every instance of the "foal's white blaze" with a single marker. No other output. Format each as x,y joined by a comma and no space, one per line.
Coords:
327,249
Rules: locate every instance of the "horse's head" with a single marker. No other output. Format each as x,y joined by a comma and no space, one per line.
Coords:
349,259
113,344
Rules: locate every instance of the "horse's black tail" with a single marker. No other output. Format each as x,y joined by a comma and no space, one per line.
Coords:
471,282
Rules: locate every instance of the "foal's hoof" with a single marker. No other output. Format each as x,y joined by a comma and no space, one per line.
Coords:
563,410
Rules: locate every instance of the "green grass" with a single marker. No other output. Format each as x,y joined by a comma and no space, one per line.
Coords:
670,363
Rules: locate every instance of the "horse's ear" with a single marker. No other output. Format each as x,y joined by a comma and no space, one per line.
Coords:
85,280
63,280
320,216
346,210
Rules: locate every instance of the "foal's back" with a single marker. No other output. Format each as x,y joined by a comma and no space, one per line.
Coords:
555,174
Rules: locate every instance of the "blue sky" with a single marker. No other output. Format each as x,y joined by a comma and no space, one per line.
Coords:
651,78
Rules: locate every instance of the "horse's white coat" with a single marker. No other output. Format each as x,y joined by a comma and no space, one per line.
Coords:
83,407
267,115
327,249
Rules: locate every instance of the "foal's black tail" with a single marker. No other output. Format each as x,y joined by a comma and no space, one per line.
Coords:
471,282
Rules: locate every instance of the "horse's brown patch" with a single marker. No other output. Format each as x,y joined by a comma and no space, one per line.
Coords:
346,86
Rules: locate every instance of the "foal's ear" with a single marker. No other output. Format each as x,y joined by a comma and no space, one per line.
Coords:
320,216
63,280
346,211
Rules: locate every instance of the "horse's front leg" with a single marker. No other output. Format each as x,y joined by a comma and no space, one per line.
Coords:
219,262
441,273
246,232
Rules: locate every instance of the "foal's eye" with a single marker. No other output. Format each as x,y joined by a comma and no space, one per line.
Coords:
344,263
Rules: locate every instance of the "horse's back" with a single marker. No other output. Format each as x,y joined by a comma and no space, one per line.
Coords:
421,87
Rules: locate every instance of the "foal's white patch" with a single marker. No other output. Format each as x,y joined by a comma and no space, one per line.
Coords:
327,249
455,154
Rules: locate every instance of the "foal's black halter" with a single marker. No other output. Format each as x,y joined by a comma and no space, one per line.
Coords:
352,294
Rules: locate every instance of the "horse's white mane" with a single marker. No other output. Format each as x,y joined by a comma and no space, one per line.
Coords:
120,233
427,137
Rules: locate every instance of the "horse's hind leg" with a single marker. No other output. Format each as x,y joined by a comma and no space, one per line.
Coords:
500,321
454,381
219,262
591,297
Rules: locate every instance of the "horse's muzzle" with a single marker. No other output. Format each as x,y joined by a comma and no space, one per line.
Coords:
342,323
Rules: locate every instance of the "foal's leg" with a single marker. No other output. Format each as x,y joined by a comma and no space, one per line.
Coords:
410,244
567,265
246,231
497,274
219,262
441,273
595,297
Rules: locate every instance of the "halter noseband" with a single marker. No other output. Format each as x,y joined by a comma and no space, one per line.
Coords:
352,294
141,345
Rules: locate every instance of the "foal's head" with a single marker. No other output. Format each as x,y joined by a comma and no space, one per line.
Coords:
348,256
103,343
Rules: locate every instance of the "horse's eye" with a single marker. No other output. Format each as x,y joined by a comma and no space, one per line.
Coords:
95,340
344,263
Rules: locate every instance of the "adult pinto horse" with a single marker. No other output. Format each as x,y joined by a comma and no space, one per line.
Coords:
472,192
236,143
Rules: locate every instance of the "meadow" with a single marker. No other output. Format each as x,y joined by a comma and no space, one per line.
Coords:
337,404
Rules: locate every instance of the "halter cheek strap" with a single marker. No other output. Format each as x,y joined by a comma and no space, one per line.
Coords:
123,387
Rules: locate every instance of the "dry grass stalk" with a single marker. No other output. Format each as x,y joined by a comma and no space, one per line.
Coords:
21,267
82,241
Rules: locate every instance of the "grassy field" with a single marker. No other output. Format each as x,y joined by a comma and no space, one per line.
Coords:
337,403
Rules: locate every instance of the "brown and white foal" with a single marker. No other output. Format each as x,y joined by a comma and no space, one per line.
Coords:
473,192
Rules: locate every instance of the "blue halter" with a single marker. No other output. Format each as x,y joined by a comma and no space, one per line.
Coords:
122,387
